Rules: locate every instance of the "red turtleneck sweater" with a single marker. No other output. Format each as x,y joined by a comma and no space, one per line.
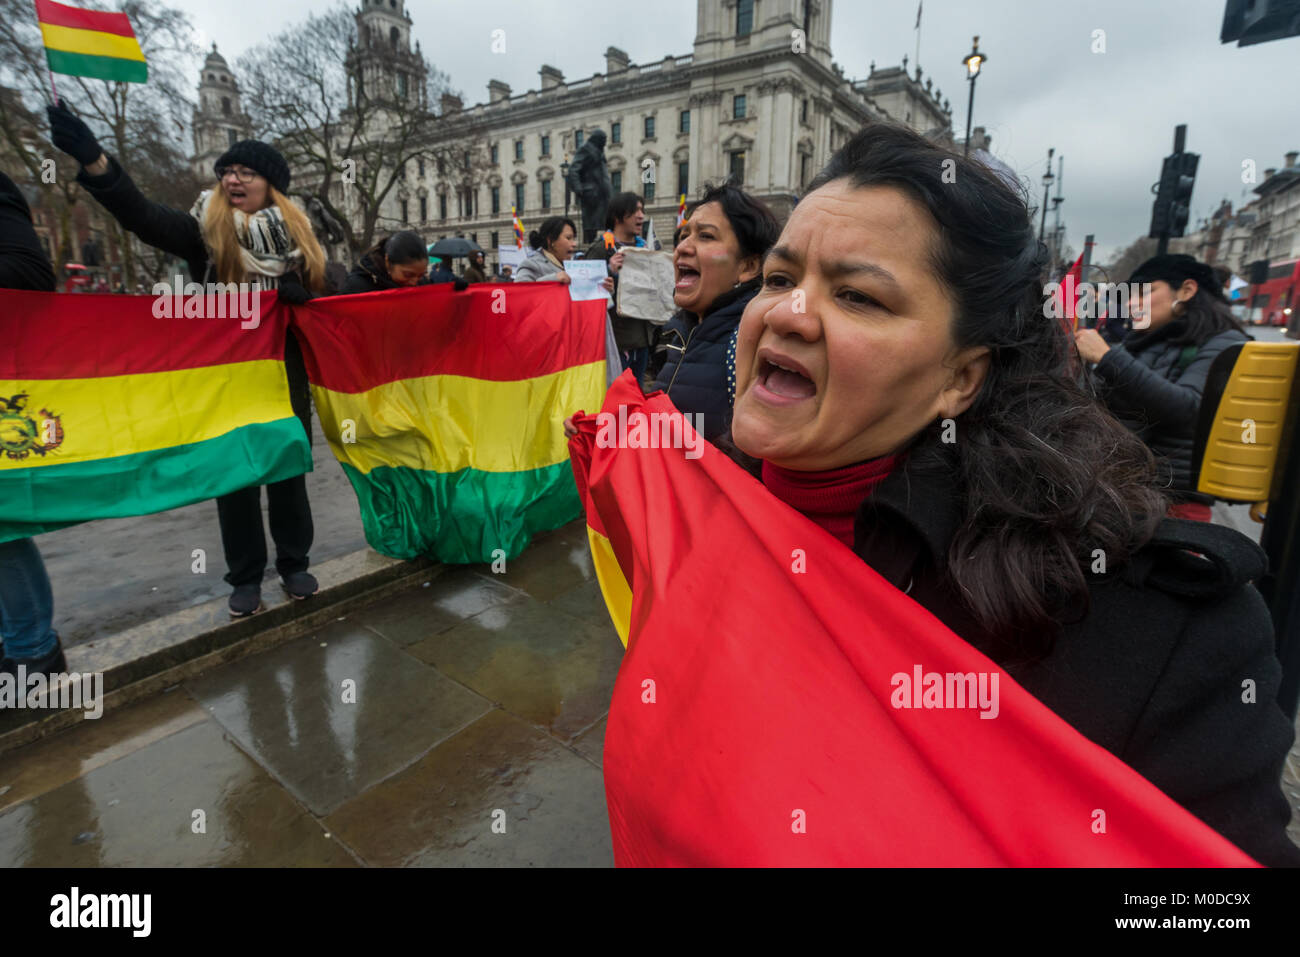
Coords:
830,498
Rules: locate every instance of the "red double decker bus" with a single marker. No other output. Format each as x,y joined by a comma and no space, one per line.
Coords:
1273,301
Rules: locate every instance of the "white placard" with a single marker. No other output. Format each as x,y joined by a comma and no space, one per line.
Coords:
645,285
587,276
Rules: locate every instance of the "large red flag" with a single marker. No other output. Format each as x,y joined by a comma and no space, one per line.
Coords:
775,706
1067,294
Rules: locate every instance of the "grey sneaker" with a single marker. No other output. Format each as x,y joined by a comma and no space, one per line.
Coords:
300,585
246,600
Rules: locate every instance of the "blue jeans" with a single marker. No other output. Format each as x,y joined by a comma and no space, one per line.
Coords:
637,360
26,602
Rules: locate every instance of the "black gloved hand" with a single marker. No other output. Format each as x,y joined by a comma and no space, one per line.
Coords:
292,291
461,284
71,135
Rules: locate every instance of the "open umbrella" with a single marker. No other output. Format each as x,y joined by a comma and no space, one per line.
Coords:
453,248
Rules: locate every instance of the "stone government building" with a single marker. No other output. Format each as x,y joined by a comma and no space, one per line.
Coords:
742,104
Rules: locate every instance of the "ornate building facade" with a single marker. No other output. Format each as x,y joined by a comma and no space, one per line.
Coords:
219,120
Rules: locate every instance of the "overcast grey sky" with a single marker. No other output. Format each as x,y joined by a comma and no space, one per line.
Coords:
1110,114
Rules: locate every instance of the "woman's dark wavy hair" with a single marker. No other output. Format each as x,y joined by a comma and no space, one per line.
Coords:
399,248
1045,476
751,220
551,229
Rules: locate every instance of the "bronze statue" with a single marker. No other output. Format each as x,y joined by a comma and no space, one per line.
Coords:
589,181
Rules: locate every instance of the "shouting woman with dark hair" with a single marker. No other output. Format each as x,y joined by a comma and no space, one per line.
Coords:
898,383
1154,380
718,259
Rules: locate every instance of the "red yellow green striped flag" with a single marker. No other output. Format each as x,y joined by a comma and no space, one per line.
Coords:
518,228
91,43
446,410
107,411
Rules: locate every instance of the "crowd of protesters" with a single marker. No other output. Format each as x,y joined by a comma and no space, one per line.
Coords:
827,356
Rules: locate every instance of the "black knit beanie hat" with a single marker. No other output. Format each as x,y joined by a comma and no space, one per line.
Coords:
260,158
1177,268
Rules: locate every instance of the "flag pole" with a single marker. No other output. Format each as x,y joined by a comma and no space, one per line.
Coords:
49,69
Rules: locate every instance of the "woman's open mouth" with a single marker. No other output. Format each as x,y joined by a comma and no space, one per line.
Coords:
687,277
782,380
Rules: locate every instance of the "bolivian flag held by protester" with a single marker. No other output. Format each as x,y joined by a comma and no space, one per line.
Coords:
91,43
108,410
446,410
782,704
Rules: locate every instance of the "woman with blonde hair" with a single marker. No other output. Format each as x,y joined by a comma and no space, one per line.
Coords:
244,230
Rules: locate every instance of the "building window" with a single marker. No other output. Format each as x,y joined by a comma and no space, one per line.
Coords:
578,139
442,205
649,127
803,111
546,194
394,36
616,180
648,190
401,85
465,160
684,121
519,149
744,18
406,218
738,106
804,162
232,136
420,166
546,146
616,132
495,240
737,167
683,178
424,209
496,154
225,105
519,197
496,200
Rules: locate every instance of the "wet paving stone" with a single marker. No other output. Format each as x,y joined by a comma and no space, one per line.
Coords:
551,669
550,566
290,709
587,603
51,762
440,811
139,811
591,743
450,598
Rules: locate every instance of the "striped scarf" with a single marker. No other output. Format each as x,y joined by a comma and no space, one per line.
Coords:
265,246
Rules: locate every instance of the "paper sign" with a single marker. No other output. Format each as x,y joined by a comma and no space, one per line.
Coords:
645,285
587,276
511,256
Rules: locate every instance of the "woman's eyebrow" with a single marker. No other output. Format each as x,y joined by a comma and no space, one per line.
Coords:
836,267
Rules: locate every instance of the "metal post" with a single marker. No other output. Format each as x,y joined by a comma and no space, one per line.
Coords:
970,108
1083,277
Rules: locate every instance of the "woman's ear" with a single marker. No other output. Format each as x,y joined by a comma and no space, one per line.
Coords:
968,375
750,267
1187,290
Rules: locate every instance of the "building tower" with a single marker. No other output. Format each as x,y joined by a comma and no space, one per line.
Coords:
219,121
382,66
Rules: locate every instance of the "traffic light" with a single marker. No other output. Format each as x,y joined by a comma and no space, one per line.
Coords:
1258,21
1180,204
1174,192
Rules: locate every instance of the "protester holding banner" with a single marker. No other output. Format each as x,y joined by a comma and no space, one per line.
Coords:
623,228
718,260
392,263
27,635
901,387
244,230
553,242
1154,380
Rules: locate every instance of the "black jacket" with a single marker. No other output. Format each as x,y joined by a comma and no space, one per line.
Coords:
696,375
23,263
1142,385
367,276
178,233
1154,671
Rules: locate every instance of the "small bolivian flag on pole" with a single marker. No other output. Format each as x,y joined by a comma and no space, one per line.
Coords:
518,228
90,43
681,211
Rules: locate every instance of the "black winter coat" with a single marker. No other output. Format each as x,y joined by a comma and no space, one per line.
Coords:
1154,671
368,276
23,264
695,375
178,233
1141,384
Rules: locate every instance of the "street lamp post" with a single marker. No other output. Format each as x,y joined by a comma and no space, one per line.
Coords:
973,61
564,174
1048,180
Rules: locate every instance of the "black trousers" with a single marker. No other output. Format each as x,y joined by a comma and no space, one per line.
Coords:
240,513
